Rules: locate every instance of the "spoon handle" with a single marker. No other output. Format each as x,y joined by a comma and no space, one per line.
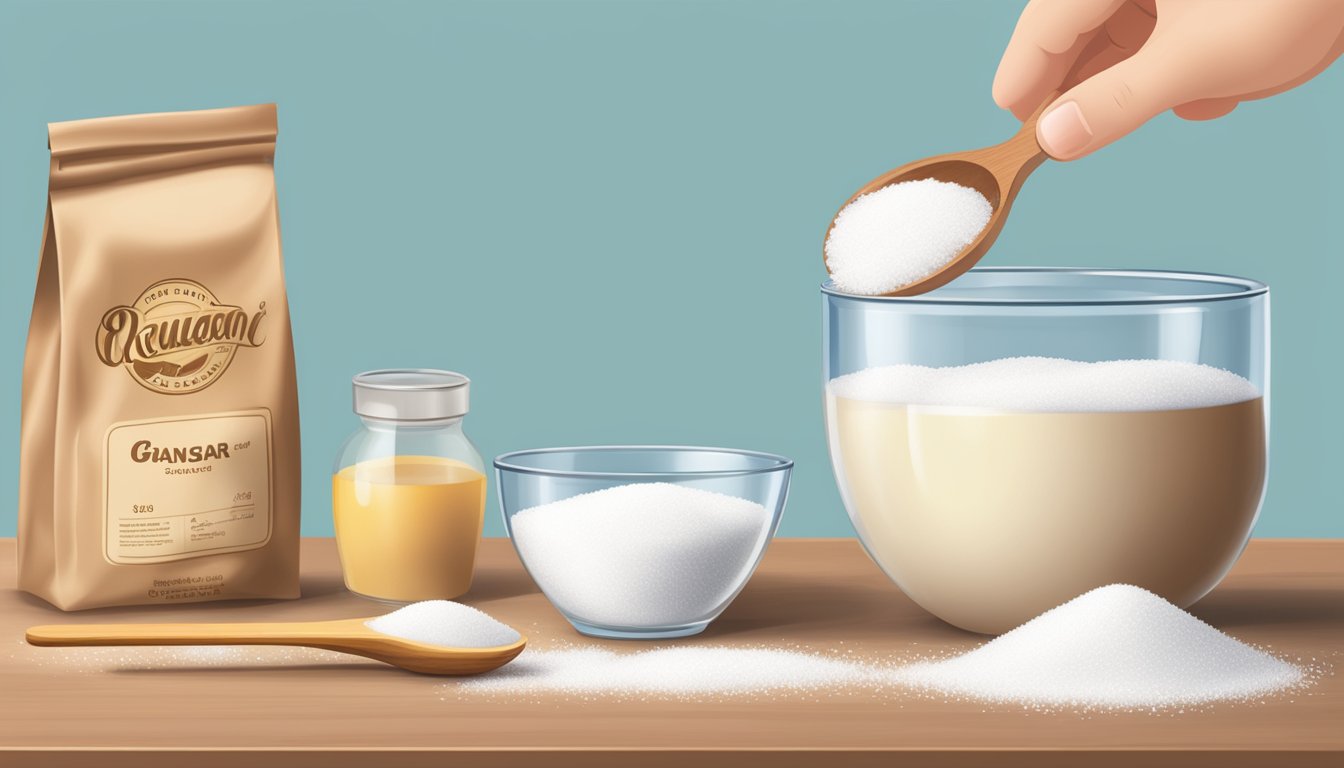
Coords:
279,633
1012,160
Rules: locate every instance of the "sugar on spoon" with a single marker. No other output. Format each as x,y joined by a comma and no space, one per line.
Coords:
353,636
997,172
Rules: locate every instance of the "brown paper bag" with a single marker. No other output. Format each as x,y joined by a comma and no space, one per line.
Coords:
160,437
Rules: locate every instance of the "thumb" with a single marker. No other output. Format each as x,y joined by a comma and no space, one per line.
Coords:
1109,105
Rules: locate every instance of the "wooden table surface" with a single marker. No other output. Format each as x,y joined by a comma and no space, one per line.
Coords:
293,707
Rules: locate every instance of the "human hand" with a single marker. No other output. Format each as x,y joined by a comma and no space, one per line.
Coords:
1123,62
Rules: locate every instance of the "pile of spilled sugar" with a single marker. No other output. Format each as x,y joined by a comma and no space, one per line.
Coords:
444,623
902,233
1050,384
688,672
1116,647
643,554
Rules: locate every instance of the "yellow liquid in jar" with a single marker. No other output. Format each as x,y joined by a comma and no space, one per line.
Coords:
407,526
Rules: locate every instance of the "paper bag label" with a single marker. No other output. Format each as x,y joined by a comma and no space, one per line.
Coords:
186,487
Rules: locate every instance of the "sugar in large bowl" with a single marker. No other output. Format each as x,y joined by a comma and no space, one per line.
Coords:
1021,436
641,541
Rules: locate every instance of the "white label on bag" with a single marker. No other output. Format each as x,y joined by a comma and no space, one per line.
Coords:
186,487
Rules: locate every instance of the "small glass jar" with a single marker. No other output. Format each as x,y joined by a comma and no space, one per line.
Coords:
408,488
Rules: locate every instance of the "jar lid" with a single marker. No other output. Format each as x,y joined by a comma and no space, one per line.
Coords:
411,394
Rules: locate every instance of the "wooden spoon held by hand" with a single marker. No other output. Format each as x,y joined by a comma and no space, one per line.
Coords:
345,635
995,172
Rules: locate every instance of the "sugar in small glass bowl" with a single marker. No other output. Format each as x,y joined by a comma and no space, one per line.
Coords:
641,541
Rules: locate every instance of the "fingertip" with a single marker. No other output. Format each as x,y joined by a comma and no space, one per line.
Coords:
1206,109
1064,132
1030,101
1002,94
1014,95
1018,108
1020,73
1017,105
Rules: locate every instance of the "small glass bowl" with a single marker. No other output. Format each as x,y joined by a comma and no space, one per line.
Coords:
608,584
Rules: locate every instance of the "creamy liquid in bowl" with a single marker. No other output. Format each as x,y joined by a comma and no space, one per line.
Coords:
992,492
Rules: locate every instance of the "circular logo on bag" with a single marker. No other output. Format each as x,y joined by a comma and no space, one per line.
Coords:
177,338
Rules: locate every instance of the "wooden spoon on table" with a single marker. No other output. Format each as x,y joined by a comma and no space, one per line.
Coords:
996,172
345,636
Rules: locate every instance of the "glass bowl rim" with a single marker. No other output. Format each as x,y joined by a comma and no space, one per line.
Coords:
1239,288
504,462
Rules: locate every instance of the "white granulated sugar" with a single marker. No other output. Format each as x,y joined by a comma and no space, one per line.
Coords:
1050,384
902,233
641,555
444,623
1116,647
94,660
687,672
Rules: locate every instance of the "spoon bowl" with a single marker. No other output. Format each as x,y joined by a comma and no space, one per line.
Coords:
996,172
344,636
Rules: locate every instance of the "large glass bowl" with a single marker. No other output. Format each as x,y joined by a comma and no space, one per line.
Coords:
988,516
623,581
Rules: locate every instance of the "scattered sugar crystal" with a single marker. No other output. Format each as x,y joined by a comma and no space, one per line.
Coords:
444,623
902,233
1050,384
677,672
1117,646
643,554
96,660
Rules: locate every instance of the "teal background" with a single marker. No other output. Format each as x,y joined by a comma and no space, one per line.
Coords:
609,214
